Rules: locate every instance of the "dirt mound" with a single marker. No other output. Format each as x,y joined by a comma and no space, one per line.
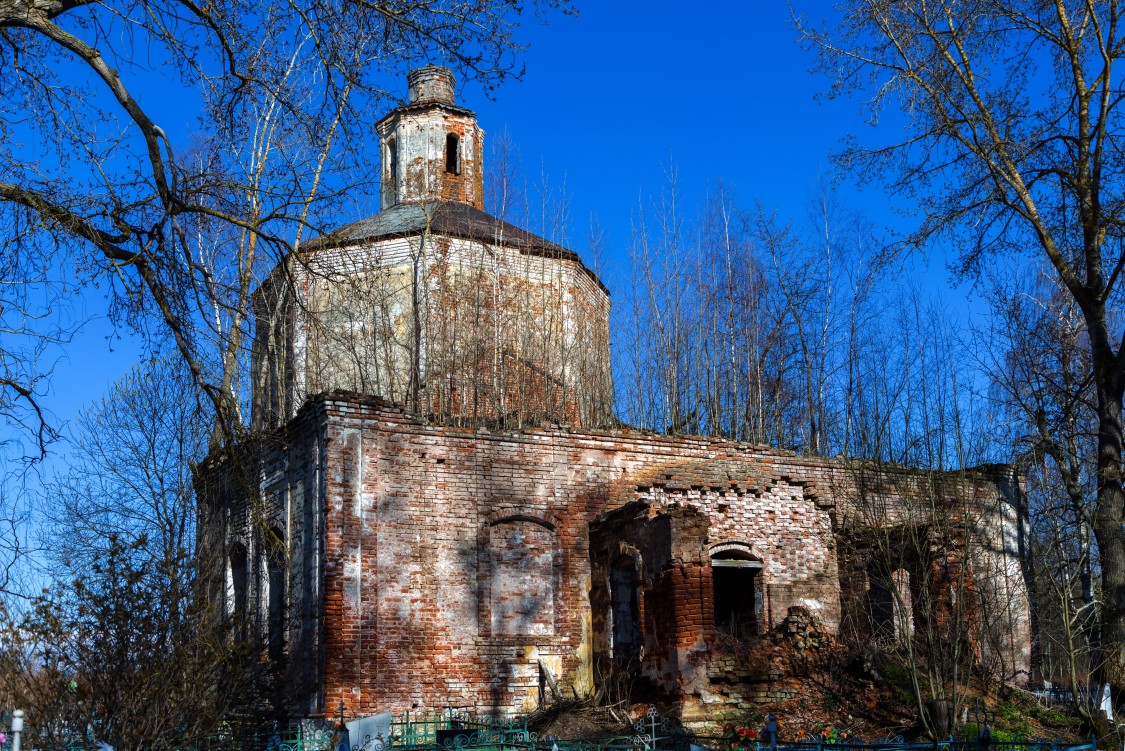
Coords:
576,720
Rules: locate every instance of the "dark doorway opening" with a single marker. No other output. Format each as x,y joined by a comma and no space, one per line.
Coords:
890,606
881,604
734,577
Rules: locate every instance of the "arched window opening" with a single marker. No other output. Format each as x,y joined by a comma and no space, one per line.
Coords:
453,154
523,577
735,575
238,579
392,172
625,610
276,578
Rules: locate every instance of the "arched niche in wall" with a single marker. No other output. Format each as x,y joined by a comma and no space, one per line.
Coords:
522,557
736,584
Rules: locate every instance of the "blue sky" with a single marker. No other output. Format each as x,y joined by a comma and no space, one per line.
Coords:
609,99
724,91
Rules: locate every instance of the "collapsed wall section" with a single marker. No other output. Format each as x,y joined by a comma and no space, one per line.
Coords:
709,559
939,558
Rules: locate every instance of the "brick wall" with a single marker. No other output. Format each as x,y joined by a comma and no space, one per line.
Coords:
436,566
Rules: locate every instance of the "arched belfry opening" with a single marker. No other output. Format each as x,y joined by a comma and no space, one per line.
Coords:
390,178
453,154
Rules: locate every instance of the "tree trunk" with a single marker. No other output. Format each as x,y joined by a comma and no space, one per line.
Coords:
1110,536
18,12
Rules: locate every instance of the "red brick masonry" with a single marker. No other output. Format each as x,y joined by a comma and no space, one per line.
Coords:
432,566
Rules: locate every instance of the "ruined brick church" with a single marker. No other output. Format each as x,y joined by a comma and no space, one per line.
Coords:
442,511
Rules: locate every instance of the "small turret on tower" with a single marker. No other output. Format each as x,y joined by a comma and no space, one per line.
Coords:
432,150
431,84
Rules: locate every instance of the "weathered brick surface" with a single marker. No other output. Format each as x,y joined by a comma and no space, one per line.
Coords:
500,335
433,566
432,303
417,133
436,566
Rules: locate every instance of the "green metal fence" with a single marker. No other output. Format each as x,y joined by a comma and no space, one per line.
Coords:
514,739
461,731
454,730
453,727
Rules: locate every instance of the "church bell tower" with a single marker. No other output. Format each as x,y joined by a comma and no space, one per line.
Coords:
432,150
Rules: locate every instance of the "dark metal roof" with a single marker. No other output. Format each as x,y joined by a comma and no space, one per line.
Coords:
425,104
443,218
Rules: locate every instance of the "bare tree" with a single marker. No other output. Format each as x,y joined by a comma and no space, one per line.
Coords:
109,190
120,648
737,323
33,336
128,481
1041,377
30,338
935,582
1013,148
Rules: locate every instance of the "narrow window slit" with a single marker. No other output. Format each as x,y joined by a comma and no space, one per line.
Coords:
453,154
